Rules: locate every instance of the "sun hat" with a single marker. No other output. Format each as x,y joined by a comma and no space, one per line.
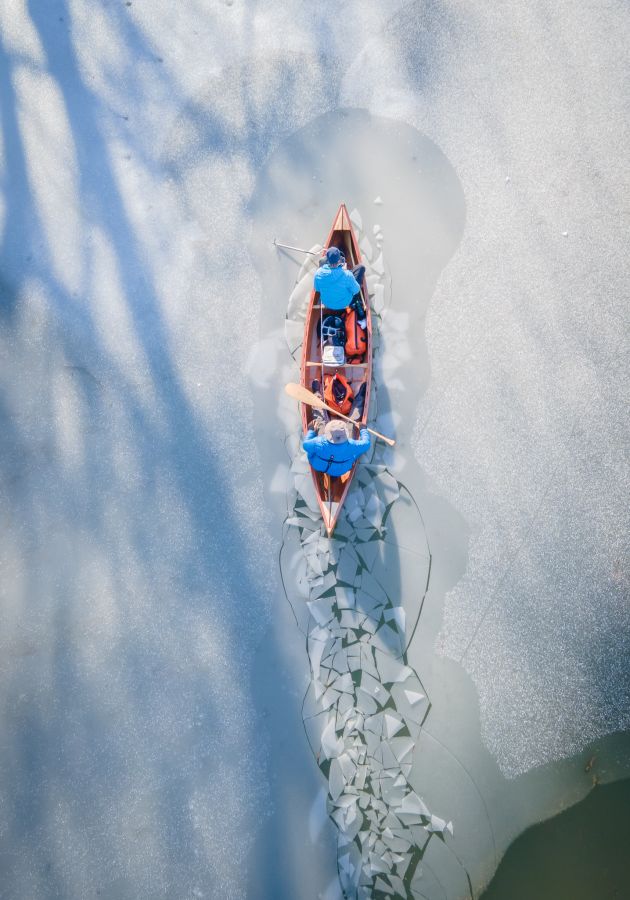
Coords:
335,431
333,255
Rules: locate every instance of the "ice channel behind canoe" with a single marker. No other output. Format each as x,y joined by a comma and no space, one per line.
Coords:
365,706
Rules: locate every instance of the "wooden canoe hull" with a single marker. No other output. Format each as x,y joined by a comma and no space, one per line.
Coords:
331,492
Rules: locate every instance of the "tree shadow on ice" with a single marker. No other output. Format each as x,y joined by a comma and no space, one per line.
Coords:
113,735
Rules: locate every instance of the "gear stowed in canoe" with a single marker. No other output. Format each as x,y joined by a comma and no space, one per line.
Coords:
336,370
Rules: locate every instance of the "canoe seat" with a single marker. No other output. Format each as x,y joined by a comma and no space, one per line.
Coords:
312,362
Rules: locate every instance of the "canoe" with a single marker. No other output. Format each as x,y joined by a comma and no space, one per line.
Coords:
332,491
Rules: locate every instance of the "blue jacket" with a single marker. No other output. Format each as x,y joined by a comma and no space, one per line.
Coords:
336,286
335,459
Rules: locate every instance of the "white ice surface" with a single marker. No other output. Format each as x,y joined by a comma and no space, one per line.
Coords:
138,562
524,424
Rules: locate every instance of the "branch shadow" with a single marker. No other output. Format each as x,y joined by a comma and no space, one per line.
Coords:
121,747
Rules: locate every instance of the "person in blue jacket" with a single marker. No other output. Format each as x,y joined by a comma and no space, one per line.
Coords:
336,284
329,444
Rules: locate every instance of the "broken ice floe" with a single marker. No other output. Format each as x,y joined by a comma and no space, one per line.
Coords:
378,297
377,265
366,249
298,301
355,218
310,264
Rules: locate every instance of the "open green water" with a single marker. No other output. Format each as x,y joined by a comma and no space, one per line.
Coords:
580,854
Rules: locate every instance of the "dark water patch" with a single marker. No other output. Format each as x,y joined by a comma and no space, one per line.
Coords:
580,854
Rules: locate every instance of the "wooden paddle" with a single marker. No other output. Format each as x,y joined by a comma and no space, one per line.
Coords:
297,392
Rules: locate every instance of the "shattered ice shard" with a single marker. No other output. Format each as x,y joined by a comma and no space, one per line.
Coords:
392,724
321,610
336,781
366,248
377,265
329,698
344,683
346,598
391,669
332,746
402,747
439,826
387,487
355,218
372,687
375,510
413,804
378,302
397,615
348,768
413,697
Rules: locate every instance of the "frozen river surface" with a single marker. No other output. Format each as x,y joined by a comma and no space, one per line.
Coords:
151,670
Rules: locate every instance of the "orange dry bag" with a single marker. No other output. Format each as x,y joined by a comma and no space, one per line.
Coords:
356,337
338,393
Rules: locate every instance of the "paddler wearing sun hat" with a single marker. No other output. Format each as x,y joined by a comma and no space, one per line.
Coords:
329,444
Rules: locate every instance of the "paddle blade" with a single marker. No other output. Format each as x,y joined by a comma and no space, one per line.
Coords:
301,394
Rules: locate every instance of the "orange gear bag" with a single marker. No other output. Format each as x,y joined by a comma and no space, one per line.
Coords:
337,393
356,337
